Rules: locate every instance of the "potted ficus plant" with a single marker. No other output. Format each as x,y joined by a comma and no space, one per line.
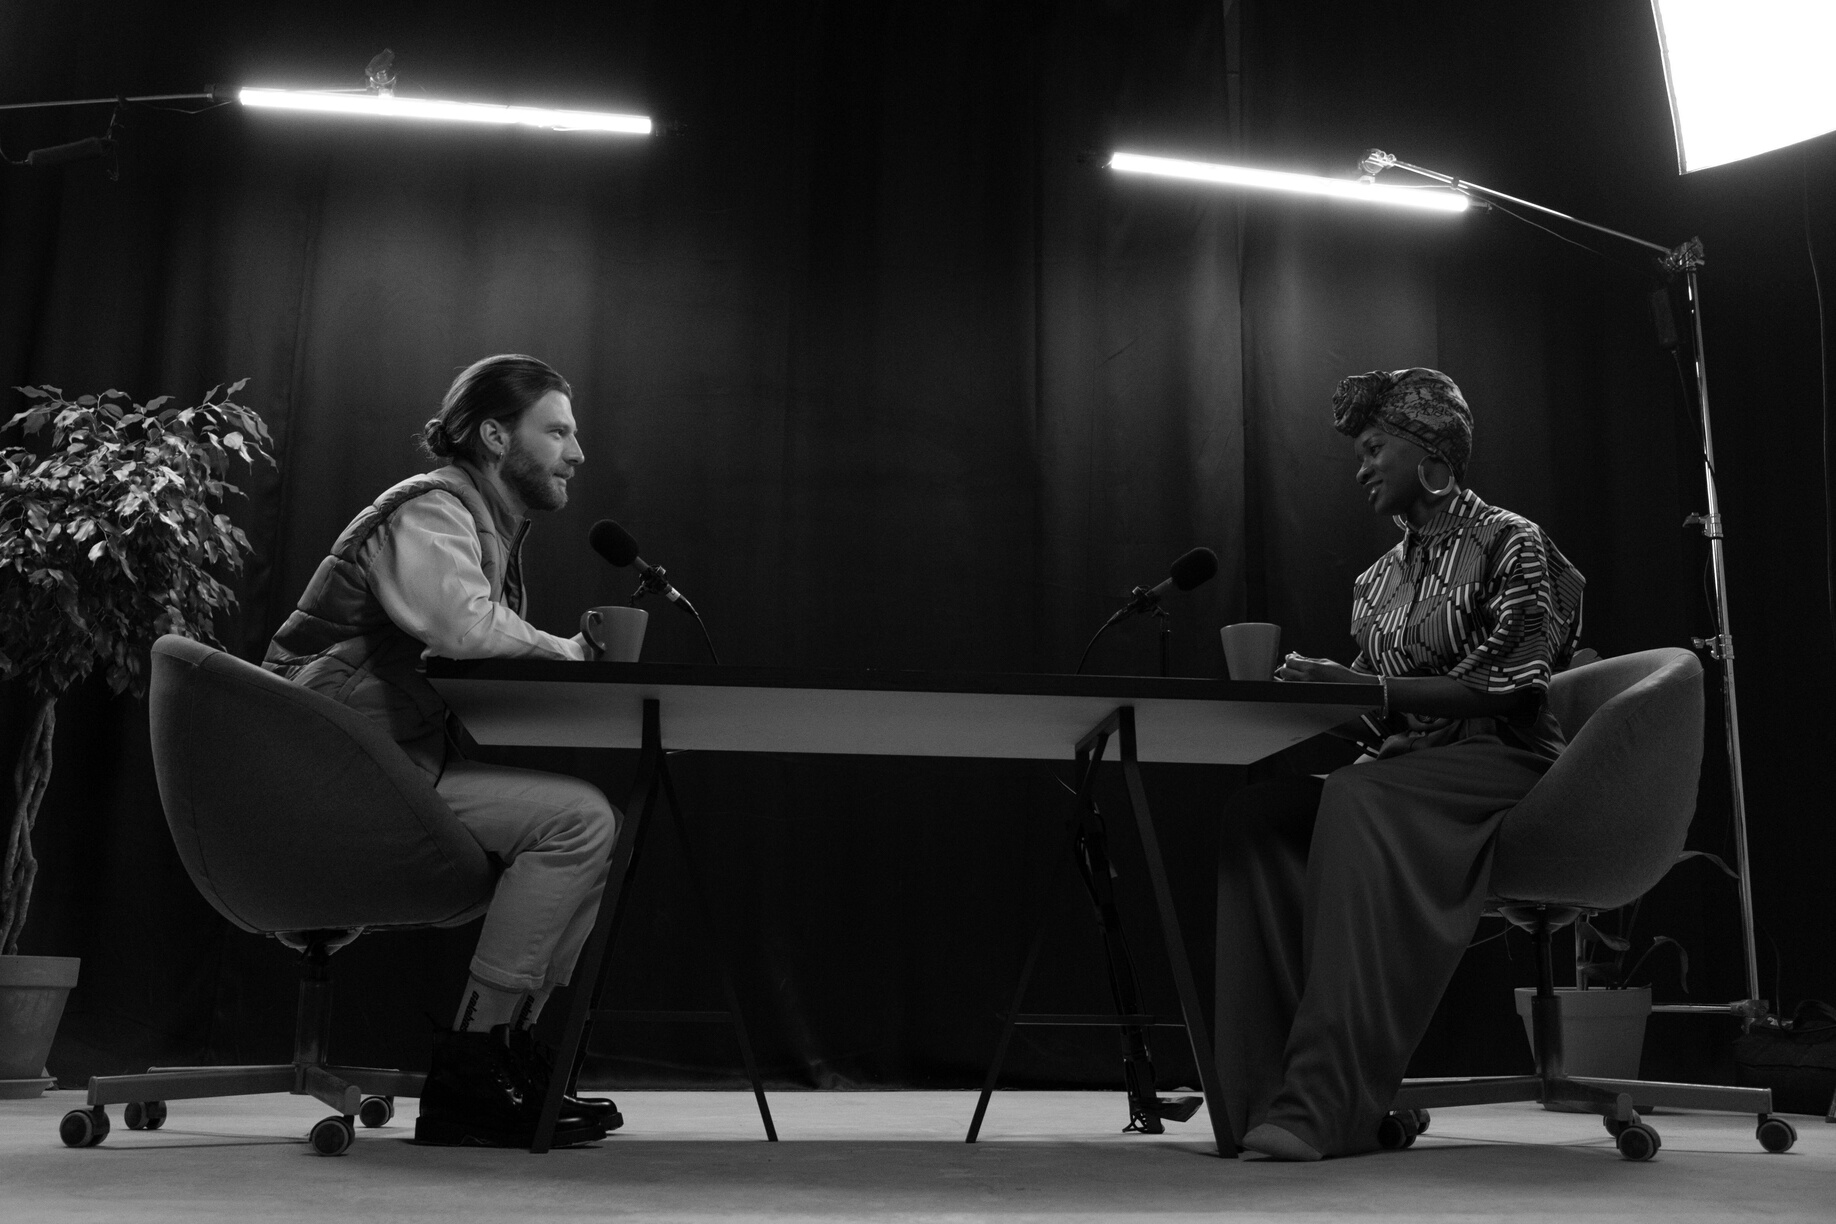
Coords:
1603,1015
111,533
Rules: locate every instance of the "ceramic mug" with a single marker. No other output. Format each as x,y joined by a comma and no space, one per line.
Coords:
616,630
1251,649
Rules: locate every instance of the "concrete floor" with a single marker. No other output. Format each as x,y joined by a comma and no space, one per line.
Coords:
691,1156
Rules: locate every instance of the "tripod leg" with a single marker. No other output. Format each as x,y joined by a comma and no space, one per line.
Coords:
590,970
1137,1062
712,934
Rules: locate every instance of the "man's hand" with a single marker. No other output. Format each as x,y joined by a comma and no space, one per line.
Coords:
1319,671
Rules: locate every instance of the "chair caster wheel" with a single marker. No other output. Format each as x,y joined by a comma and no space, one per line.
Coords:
1638,1141
1422,1118
84,1127
1398,1130
333,1136
376,1111
1613,1125
144,1115
1776,1134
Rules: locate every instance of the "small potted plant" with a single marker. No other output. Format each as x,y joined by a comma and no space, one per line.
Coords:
111,533
1604,1013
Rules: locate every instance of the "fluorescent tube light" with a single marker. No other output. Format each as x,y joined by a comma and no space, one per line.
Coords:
1745,77
1432,198
464,112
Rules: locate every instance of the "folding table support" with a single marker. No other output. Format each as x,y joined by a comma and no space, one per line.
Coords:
652,789
1146,1108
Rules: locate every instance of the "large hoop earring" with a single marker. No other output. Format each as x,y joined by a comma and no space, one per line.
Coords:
1422,476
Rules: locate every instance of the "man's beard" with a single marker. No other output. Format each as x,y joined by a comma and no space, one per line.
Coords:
531,481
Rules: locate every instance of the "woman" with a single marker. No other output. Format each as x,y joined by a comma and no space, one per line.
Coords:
1344,905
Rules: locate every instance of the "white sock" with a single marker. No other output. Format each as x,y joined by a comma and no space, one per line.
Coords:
529,1007
483,1007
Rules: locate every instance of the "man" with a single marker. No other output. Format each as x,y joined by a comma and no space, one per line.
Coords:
434,568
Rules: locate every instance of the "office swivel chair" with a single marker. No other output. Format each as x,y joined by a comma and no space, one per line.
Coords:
300,819
1597,832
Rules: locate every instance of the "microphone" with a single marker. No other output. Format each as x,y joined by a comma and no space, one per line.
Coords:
1195,568
616,545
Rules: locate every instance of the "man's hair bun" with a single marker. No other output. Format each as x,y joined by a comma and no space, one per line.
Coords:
434,439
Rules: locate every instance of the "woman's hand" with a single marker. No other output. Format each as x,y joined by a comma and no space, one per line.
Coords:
1319,671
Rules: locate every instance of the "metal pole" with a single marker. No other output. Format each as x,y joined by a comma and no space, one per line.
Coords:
1686,259
212,95
1721,647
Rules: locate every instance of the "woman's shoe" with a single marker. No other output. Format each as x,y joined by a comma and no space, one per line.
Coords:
1277,1144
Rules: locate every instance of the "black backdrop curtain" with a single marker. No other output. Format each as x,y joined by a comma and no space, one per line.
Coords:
890,377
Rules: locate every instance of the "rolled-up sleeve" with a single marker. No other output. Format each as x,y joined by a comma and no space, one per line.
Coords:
429,576
1533,610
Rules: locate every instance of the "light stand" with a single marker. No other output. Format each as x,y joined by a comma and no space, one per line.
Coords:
1685,259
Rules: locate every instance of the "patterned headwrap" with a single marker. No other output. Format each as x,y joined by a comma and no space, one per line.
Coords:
1421,405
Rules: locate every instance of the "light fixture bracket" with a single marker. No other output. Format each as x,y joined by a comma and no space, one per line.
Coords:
381,73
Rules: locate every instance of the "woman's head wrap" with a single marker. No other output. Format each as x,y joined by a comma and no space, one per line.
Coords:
1421,405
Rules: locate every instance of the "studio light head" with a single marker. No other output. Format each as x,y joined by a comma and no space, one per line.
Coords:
1364,190
381,101
1745,78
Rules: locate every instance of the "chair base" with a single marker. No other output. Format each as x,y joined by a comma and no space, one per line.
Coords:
367,1093
342,1088
1615,1100
1612,1099
1608,1097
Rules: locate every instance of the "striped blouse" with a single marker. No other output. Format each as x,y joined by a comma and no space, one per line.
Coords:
1478,594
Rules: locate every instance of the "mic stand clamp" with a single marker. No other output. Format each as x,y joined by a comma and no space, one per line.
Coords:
1141,599
655,581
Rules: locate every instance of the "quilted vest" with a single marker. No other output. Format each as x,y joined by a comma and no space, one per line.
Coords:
341,643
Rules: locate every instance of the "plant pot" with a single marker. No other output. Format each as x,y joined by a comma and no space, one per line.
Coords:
1603,1031
32,994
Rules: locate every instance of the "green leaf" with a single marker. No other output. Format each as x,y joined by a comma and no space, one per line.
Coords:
110,529
1713,858
1590,931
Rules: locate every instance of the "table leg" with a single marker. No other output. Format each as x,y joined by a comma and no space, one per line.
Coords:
1089,753
1196,1033
590,971
712,934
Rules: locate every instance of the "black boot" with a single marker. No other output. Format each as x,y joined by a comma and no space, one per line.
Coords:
478,1094
537,1059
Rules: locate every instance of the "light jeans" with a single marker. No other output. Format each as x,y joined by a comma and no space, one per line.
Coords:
554,834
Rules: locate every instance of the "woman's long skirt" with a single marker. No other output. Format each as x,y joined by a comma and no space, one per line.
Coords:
1343,909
